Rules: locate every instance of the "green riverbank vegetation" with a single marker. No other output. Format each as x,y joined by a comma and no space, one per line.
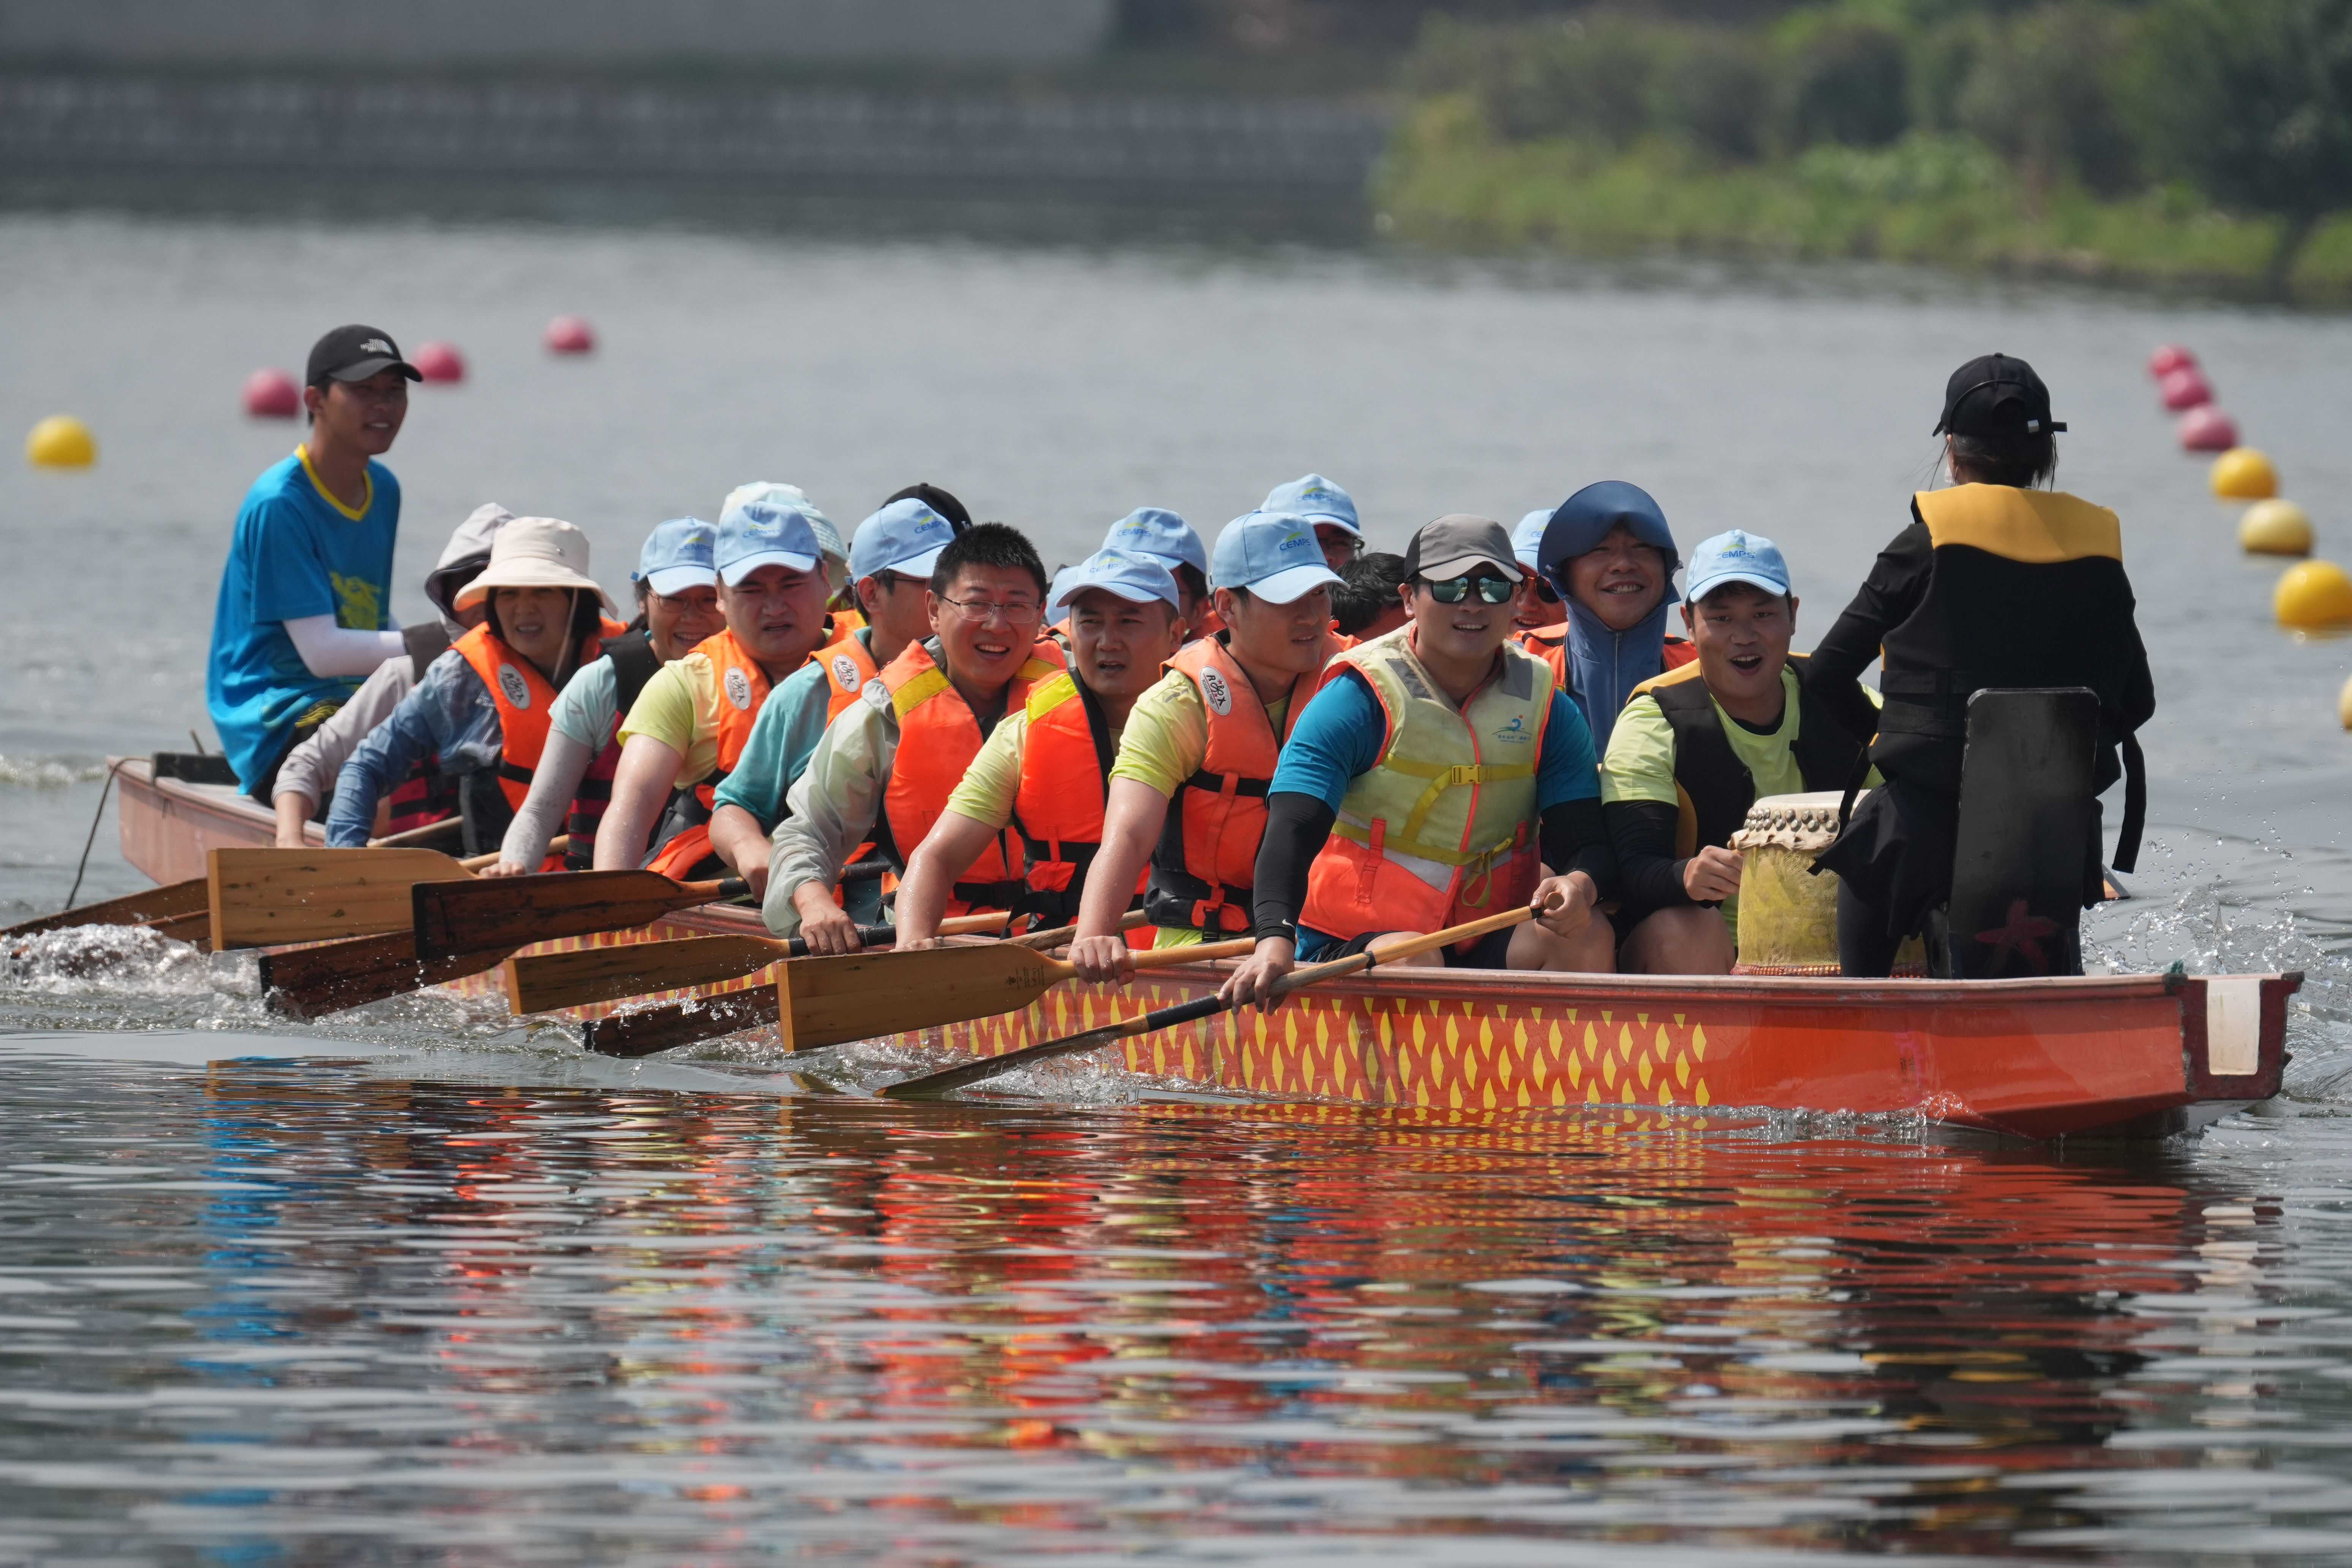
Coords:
2193,143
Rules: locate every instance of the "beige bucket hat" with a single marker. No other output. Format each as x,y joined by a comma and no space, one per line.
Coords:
534,553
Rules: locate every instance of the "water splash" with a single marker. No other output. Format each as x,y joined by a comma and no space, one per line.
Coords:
50,772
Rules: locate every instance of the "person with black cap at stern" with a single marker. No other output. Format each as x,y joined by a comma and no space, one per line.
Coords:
305,607
1999,582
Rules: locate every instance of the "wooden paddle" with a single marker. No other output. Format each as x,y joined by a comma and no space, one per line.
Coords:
504,913
862,997
181,910
931,1086
665,1026
265,898
311,981
545,982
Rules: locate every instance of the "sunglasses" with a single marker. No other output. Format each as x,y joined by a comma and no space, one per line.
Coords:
1453,590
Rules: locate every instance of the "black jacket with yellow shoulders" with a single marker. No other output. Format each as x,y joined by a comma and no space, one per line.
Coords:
1990,586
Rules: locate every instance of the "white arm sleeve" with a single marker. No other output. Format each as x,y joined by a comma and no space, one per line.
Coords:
562,762
328,649
310,770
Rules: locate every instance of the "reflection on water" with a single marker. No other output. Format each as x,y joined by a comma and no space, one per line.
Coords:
303,1310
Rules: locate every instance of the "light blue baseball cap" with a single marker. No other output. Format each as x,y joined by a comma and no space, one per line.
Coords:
1317,500
764,531
1162,534
1272,554
905,537
1735,557
1526,540
828,537
1130,575
676,556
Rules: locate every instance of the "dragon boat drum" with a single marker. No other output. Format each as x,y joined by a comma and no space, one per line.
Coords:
1787,916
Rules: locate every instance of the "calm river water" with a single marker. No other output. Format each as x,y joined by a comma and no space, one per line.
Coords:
415,1284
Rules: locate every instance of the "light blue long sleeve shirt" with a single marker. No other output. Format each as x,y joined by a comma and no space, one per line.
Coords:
450,713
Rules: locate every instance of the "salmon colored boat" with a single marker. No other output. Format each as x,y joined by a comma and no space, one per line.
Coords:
2122,1056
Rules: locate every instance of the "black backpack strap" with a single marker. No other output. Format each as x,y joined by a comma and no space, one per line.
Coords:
425,641
1709,772
634,663
2134,823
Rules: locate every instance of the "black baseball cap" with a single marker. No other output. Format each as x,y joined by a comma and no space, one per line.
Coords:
939,501
1996,395
355,353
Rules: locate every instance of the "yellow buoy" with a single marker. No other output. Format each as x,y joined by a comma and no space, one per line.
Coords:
2314,596
2274,528
2243,474
60,441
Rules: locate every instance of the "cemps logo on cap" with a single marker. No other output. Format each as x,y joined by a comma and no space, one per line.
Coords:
1216,694
375,346
738,689
517,689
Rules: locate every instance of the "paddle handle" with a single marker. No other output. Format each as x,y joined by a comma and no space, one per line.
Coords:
476,862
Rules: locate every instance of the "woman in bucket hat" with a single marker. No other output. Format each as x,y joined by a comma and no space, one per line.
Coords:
484,706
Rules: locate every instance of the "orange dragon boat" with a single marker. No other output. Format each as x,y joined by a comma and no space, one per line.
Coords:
2121,1056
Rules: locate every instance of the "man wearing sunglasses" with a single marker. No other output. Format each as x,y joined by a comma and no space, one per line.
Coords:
883,770
1439,776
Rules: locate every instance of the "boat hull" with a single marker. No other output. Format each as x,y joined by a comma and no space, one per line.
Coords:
2030,1059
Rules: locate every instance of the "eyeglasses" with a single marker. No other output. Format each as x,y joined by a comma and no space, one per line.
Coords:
1546,591
979,612
1453,590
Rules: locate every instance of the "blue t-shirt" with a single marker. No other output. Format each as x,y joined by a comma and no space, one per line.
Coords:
1343,732
297,551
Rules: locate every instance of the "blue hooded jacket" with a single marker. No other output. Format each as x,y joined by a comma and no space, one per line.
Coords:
1604,666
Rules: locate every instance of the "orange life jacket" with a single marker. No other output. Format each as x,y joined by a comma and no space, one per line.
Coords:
1207,853
1550,644
524,700
939,736
742,687
1066,759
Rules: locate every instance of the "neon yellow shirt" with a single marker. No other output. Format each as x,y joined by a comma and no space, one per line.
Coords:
1167,735
992,782
680,708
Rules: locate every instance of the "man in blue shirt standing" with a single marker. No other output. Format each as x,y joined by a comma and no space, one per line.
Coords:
304,612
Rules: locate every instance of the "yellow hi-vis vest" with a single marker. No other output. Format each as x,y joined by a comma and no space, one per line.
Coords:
1442,829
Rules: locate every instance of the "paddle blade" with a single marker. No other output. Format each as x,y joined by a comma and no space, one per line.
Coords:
507,913
931,1086
545,982
311,981
642,1031
172,901
262,898
823,1002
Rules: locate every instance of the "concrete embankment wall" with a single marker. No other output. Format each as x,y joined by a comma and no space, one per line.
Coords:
781,140
539,33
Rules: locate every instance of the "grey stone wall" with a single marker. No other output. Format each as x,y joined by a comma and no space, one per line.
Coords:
789,139
469,33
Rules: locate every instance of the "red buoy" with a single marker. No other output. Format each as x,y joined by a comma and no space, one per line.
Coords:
2206,428
2169,358
272,395
439,361
569,335
2184,388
